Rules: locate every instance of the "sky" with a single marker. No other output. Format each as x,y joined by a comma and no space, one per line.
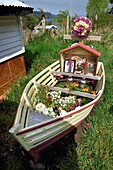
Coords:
54,6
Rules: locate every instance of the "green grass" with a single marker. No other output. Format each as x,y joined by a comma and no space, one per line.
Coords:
95,151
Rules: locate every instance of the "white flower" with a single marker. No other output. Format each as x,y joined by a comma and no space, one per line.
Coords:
46,112
63,113
40,107
52,114
50,109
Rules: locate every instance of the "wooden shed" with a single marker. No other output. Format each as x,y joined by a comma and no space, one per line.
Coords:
79,59
11,42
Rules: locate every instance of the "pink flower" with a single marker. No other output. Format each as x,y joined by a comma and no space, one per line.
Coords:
59,76
72,107
81,28
88,125
94,82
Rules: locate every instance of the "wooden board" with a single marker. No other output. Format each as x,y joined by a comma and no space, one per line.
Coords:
74,37
77,75
35,118
66,90
11,70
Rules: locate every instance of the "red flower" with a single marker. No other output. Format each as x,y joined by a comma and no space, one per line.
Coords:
88,125
44,86
84,64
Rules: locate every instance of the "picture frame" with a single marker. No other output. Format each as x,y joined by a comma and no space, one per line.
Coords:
67,66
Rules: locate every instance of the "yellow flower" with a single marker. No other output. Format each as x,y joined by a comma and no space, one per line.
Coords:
81,23
77,24
83,33
75,27
75,84
86,26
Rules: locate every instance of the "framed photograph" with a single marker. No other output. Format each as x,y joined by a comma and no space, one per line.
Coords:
69,67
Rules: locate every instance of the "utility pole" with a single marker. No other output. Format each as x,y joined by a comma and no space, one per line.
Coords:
70,10
67,23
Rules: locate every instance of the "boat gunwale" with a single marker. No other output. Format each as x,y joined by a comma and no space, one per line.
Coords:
28,129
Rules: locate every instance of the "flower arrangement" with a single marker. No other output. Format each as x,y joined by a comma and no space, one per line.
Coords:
57,103
82,64
82,26
59,76
53,103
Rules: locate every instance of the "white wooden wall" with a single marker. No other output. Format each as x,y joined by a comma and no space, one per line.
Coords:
11,40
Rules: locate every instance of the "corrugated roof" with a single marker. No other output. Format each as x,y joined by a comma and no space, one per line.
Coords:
14,3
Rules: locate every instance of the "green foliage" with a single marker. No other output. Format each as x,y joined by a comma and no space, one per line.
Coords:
29,22
62,19
98,8
42,93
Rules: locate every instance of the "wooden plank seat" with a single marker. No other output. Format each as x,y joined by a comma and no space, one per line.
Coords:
77,75
66,90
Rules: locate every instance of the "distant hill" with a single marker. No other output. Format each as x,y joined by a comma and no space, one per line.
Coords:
48,15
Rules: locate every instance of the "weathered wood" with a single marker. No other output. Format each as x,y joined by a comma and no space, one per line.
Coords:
74,37
14,130
9,71
11,37
27,99
23,118
66,90
77,75
35,137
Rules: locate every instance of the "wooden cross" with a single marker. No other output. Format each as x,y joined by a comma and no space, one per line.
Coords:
89,38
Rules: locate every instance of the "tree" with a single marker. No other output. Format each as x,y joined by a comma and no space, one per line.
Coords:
97,8
62,19
29,21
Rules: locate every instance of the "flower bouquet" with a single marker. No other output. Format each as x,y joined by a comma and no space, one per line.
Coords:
53,104
82,26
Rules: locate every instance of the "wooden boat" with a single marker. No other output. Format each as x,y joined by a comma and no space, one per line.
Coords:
36,131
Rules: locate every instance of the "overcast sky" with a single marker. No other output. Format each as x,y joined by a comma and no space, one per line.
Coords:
54,6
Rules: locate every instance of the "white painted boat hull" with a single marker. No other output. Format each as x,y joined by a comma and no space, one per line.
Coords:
42,134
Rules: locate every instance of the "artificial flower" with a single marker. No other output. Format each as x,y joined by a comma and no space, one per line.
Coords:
82,26
88,125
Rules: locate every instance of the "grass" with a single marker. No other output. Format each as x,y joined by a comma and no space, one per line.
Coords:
95,151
